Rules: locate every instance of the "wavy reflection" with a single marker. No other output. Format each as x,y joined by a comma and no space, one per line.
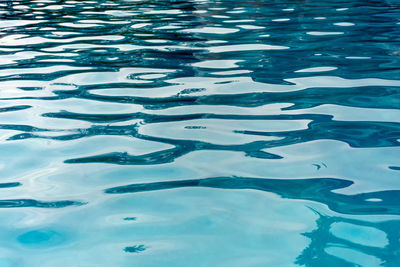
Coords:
325,237
181,88
316,189
23,203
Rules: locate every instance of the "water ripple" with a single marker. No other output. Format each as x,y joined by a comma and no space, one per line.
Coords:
144,97
317,189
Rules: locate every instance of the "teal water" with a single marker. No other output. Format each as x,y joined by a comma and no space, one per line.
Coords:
199,133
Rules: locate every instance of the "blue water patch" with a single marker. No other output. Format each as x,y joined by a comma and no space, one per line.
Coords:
199,133
40,238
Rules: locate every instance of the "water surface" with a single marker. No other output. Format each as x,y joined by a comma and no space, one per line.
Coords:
199,133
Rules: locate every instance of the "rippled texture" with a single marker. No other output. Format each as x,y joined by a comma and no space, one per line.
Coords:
200,133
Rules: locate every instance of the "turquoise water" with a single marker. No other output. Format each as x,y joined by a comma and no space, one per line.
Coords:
199,133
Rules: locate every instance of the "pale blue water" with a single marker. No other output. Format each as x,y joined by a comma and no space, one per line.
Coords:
199,133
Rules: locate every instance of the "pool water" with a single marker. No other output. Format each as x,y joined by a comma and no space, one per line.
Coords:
199,133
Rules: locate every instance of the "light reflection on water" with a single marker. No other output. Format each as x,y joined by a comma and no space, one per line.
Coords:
199,133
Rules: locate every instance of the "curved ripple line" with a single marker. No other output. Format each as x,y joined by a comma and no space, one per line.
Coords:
314,189
23,203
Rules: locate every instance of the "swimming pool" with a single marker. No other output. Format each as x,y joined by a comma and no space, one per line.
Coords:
199,133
